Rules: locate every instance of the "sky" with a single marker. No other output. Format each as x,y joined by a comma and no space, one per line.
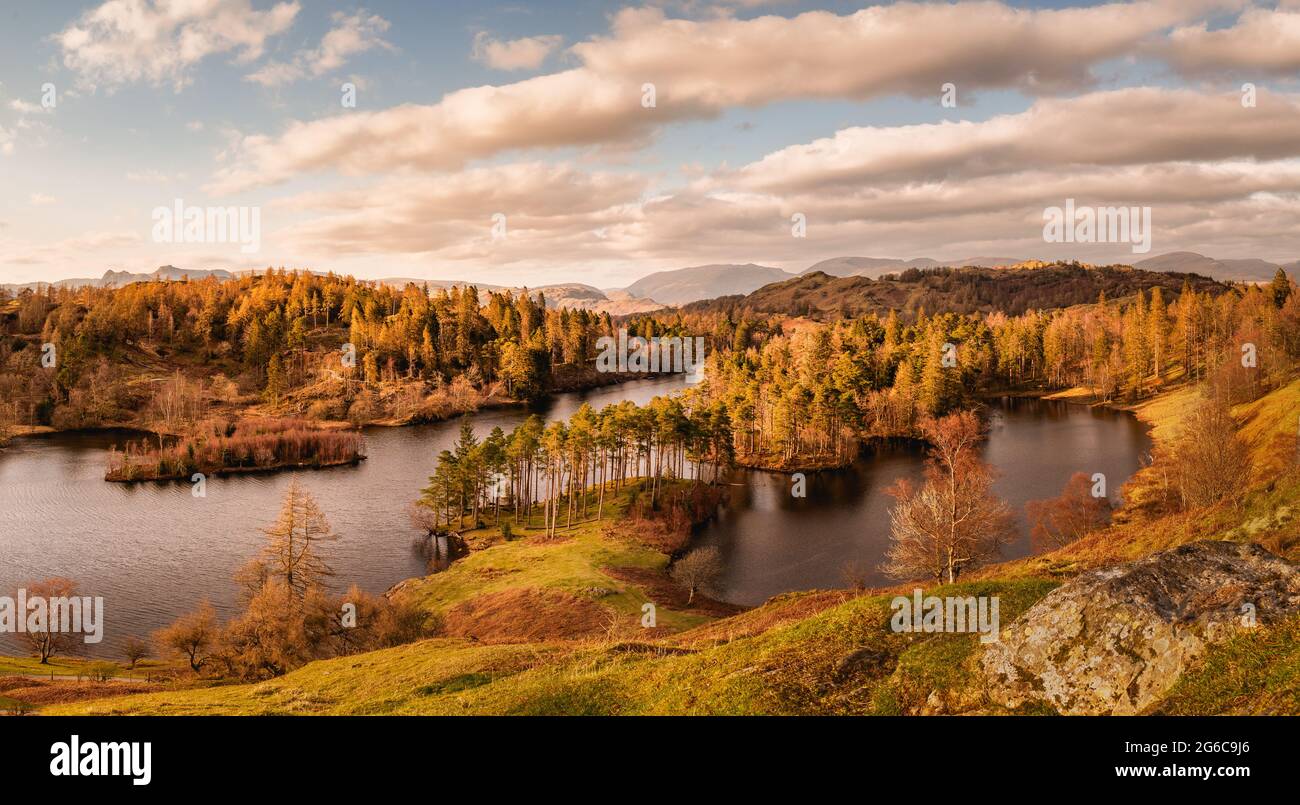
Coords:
530,143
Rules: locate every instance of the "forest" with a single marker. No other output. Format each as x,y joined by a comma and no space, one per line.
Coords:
164,356
795,395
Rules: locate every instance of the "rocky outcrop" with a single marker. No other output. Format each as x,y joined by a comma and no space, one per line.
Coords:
1113,641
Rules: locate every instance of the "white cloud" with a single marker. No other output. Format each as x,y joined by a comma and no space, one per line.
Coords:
1157,125
160,41
153,176
1261,42
1211,170
26,108
527,53
352,34
41,200
702,68
547,207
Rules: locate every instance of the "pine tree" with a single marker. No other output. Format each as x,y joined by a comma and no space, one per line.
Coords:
1157,332
1280,287
275,384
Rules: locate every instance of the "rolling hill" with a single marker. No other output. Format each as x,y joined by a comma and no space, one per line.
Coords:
684,285
961,290
876,267
116,279
1245,270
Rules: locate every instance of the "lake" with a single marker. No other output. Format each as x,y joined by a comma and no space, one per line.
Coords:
153,551
772,542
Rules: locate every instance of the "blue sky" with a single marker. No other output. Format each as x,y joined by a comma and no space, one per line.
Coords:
531,110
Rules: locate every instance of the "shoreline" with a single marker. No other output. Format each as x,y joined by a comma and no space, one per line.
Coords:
487,403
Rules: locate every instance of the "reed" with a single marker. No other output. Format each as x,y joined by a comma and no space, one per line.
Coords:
251,445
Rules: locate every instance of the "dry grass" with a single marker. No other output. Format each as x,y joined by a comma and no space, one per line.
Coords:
218,446
526,616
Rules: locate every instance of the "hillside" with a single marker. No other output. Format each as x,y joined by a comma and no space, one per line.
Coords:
685,285
827,652
1245,270
1238,270
117,279
876,267
873,267
572,295
960,290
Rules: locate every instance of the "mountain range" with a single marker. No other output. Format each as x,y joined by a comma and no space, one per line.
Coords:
572,295
1245,270
696,283
970,289
683,285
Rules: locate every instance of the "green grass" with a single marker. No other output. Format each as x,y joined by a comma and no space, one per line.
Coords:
797,668
72,666
570,562
1254,673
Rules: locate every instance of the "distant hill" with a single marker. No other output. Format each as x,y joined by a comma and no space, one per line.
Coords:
684,285
961,290
866,266
116,279
875,267
575,295
1245,270
572,295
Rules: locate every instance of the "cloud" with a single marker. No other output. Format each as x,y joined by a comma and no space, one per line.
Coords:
527,53
26,108
1212,171
153,176
1262,42
160,41
352,34
547,207
700,68
1120,127
80,249
41,200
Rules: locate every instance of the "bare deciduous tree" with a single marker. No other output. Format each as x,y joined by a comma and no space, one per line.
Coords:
191,636
697,570
177,404
48,639
953,520
134,650
1061,520
1209,461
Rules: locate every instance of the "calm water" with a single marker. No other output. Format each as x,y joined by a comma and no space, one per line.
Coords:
153,551
772,542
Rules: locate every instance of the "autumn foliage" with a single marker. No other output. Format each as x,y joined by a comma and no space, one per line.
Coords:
952,521
219,446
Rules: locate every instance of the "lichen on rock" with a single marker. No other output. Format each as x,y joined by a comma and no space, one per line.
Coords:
1113,641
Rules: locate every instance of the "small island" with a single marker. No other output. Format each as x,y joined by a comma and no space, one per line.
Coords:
221,447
